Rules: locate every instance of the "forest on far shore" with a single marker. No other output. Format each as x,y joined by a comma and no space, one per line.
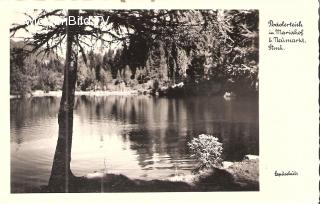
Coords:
222,58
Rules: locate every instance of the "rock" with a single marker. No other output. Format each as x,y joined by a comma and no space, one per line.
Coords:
229,95
245,174
95,175
179,85
251,157
226,164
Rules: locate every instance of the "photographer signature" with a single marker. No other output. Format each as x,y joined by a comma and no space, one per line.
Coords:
285,173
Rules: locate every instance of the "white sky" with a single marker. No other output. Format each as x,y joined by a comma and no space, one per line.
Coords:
19,17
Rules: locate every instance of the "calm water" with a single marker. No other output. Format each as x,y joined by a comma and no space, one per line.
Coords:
138,136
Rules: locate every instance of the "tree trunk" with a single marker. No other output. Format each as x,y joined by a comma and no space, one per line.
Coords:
61,174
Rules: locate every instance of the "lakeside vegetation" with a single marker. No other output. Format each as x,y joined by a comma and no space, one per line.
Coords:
221,57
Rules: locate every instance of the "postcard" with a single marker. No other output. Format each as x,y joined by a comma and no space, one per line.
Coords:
159,101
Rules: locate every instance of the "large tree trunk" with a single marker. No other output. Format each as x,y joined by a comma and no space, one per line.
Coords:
61,175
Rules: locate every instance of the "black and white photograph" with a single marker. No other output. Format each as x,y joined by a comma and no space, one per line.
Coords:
134,100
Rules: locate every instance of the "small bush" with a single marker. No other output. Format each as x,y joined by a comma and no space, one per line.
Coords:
207,151
49,80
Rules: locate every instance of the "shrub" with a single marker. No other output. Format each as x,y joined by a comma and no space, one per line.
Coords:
86,78
207,151
19,84
49,80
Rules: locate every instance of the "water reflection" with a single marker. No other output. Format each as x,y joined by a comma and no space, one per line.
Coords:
139,136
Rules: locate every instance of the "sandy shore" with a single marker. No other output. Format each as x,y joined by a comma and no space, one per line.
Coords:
39,93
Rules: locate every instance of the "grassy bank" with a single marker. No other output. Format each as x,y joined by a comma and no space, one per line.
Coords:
239,176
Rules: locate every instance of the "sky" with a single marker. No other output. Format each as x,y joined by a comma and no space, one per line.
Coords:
19,17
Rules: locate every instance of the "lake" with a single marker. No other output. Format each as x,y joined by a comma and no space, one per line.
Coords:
139,136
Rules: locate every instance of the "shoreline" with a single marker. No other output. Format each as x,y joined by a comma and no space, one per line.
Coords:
243,172
236,176
40,93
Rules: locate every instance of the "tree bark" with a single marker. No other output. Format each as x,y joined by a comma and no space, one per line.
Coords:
61,175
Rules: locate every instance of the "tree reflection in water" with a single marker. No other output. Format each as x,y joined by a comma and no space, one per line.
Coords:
160,126
153,132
